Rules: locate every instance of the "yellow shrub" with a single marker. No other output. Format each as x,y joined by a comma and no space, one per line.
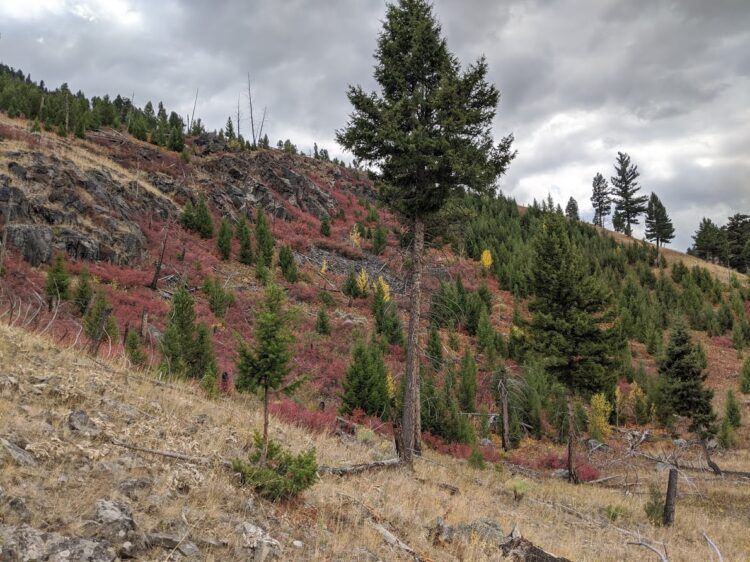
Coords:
486,259
363,281
599,428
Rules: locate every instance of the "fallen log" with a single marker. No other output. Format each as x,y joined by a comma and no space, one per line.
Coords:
359,468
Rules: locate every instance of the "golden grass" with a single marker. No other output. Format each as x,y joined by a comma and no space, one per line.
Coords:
331,519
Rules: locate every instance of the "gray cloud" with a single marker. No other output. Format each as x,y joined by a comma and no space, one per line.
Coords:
665,80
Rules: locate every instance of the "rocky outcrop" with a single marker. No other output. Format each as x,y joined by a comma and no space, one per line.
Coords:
24,544
55,206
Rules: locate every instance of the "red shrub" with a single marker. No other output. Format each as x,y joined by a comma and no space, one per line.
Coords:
586,472
291,412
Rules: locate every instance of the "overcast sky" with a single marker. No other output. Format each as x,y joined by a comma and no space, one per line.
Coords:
666,81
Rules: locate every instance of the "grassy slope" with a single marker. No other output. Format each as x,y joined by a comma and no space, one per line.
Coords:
330,518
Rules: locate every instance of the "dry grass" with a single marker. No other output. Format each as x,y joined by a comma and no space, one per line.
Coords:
330,520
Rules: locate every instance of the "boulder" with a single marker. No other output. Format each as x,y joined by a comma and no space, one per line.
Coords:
16,453
483,529
33,241
258,542
113,522
25,543
80,423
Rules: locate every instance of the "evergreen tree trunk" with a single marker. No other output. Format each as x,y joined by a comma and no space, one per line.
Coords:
264,452
572,476
504,406
411,424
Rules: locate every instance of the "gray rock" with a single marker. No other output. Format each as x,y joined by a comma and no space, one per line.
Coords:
134,487
681,443
173,542
8,385
561,473
258,542
26,544
79,422
113,522
33,241
483,529
18,455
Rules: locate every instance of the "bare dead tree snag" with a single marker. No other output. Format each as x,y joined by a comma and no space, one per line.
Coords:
662,557
709,462
161,257
360,468
250,102
669,503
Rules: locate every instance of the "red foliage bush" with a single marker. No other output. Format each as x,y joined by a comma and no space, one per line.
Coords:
458,450
315,420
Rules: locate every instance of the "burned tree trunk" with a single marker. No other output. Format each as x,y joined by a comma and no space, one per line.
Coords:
159,263
504,408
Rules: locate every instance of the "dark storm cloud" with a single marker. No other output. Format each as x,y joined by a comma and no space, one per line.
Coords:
667,81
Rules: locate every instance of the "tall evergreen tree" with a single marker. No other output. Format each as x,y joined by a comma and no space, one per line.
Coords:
682,391
570,327
428,131
571,209
659,228
264,365
203,222
601,199
229,129
287,264
709,242
628,205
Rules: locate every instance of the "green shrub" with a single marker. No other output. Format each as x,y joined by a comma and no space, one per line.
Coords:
379,239
476,459
219,299
518,486
325,226
745,377
224,240
654,507
283,477
57,285
287,264
133,349
732,412
326,298
323,324
84,291
614,512
727,437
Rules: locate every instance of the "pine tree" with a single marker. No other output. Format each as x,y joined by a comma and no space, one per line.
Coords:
379,239
287,264
628,205
57,284
365,383
434,349
203,224
745,377
246,247
571,209
485,333
224,240
134,350
229,129
732,412
659,227
84,291
467,387
265,364
179,336
98,322
709,242
322,323
570,309
203,359
263,240
385,312
428,131
325,226
682,391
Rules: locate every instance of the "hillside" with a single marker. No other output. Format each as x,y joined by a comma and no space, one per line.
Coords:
109,202
67,421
